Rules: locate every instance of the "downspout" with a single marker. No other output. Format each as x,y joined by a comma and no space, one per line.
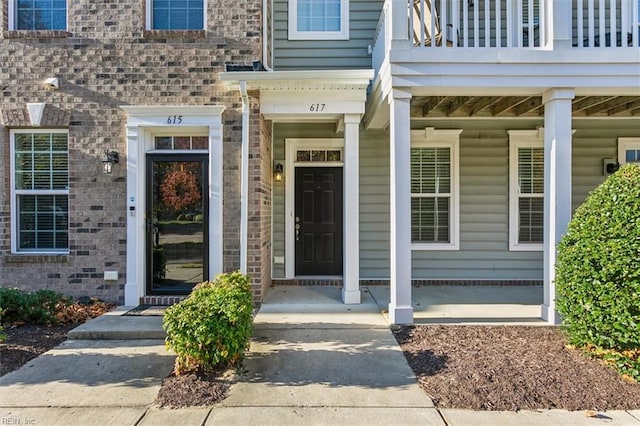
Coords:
266,19
244,179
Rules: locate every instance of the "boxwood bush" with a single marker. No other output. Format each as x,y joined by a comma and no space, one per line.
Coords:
38,307
598,267
211,328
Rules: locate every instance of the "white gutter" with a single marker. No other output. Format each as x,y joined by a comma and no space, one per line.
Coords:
266,19
244,178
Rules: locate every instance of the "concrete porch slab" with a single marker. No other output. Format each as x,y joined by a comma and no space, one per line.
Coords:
316,307
486,305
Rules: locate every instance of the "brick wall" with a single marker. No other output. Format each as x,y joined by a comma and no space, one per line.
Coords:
106,59
259,229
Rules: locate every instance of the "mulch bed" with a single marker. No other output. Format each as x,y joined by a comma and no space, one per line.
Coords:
194,389
511,368
26,342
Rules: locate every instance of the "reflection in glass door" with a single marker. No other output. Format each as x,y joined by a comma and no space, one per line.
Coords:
176,223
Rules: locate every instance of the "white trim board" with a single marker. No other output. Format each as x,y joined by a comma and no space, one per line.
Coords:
143,122
291,146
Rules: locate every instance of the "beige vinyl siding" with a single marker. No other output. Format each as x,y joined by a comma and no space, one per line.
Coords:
484,196
326,54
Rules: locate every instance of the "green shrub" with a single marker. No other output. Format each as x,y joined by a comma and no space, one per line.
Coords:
39,307
598,266
211,328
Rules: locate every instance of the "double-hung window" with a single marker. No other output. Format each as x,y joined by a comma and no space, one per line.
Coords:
37,14
526,190
40,191
434,189
318,19
629,150
175,14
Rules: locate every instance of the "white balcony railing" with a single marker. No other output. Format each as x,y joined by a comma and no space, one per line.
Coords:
606,23
478,23
525,24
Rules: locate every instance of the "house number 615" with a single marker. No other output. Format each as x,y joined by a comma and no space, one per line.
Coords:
174,119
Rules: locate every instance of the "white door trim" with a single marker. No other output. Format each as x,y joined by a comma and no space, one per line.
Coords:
142,123
291,146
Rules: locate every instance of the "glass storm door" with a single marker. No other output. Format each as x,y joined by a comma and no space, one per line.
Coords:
176,223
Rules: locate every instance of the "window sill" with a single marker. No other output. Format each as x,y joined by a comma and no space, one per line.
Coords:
36,258
35,34
526,247
165,34
434,246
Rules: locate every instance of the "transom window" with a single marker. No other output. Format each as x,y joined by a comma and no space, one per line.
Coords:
434,189
318,19
38,14
176,14
40,191
526,182
318,155
181,142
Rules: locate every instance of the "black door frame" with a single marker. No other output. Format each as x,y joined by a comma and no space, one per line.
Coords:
339,212
150,158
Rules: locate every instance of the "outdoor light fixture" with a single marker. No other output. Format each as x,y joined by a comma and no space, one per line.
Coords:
110,158
278,173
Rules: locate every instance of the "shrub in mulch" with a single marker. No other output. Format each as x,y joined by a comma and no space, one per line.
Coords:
598,273
211,328
47,307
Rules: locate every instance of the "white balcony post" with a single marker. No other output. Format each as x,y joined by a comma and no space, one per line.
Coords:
351,255
557,187
399,24
400,309
561,25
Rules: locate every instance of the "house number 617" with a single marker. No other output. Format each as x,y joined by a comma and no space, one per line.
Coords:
174,119
316,107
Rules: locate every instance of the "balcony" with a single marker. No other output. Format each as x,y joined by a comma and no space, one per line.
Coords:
443,25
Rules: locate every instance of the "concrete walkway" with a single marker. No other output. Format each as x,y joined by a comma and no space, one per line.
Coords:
313,361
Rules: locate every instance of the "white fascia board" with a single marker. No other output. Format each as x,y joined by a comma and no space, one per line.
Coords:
516,55
256,79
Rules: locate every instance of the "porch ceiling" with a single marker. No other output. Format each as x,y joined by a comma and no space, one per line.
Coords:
520,106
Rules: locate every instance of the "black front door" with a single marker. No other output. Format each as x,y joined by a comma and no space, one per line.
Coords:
176,223
318,220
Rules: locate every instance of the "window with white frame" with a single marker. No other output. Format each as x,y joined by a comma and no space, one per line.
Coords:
318,19
526,190
40,191
37,14
175,14
434,189
629,150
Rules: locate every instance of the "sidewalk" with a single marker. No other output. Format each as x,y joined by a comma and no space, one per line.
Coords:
313,361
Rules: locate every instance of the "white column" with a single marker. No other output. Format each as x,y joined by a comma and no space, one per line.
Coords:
400,310
557,186
351,253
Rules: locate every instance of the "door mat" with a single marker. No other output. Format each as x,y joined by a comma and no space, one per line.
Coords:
147,311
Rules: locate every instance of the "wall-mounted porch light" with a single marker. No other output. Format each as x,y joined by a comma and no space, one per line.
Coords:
278,172
110,158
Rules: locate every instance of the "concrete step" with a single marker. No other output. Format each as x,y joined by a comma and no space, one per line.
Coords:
115,325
